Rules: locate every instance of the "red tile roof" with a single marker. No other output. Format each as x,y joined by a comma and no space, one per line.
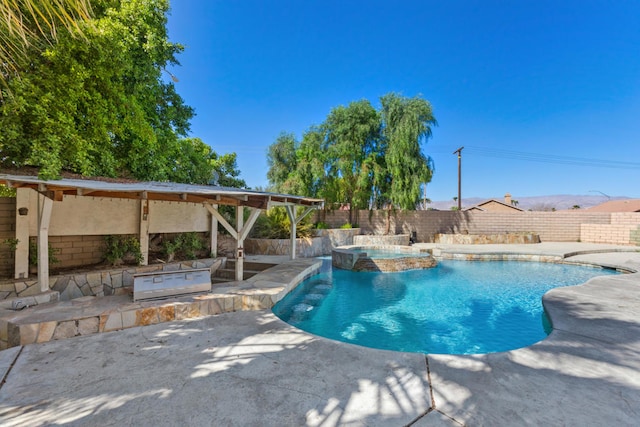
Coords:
628,205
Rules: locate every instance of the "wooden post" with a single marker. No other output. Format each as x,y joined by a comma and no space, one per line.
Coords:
21,269
214,234
239,243
45,206
144,230
291,212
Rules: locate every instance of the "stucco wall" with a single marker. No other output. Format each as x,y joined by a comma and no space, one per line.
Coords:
86,216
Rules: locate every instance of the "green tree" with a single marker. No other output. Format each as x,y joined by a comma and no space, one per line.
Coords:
351,145
406,123
309,176
99,106
194,162
282,161
359,156
226,167
26,25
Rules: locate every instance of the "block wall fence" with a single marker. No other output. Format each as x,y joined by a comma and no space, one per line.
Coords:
570,226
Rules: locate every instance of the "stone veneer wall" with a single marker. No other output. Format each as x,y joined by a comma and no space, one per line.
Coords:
320,245
393,265
305,248
550,226
378,240
624,229
116,281
483,239
348,259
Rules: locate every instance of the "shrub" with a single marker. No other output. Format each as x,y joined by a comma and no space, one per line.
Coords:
12,243
184,246
120,249
322,225
275,224
33,254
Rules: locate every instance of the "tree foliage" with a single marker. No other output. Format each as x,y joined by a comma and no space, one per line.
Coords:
351,144
406,123
359,156
97,105
35,24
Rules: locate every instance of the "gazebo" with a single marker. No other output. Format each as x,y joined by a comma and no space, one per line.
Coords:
50,191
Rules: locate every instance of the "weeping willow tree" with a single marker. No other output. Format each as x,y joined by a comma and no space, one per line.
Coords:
36,24
407,124
359,156
352,138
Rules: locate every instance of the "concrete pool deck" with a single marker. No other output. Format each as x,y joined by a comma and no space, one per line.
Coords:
250,368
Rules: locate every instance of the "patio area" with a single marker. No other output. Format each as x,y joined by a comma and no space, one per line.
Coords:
250,368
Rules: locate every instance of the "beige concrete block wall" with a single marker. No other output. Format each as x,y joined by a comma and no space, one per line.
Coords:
75,251
550,226
624,229
606,233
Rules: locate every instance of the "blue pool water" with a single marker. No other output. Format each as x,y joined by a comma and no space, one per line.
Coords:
459,307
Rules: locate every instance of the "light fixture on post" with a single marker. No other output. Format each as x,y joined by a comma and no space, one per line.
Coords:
174,78
459,152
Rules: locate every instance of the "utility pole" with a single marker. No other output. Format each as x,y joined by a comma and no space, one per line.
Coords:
459,151
425,196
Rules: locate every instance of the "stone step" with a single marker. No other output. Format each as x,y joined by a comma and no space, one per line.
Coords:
219,281
230,274
249,265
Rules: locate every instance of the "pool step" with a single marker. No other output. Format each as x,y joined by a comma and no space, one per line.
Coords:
228,273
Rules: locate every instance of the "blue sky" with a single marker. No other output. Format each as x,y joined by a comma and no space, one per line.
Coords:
511,81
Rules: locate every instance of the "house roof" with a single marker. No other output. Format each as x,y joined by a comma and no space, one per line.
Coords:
166,191
627,205
480,207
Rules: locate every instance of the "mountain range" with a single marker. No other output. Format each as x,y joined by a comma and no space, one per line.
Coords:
534,203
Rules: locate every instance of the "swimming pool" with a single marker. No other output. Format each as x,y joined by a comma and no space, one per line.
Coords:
458,307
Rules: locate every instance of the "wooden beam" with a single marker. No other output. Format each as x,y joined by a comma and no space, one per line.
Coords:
222,221
305,213
144,231
214,234
255,213
239,243
291,212
45,206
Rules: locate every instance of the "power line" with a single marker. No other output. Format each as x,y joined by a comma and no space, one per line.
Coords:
549,158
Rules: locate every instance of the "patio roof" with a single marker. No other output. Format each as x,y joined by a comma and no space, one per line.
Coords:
166,191
208,195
